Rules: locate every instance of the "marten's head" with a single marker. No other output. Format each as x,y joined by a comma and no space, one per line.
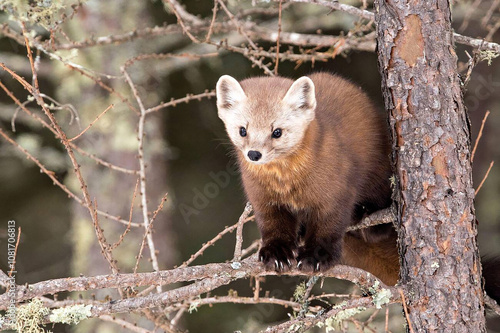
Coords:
266,118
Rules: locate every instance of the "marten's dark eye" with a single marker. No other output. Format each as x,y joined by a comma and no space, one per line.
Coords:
276,133
243,131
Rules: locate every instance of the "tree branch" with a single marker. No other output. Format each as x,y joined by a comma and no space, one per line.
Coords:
225,273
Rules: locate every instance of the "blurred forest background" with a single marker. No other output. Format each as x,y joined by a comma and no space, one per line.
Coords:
186,148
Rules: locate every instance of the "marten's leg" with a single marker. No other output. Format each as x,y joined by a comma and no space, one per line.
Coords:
322,247
279,230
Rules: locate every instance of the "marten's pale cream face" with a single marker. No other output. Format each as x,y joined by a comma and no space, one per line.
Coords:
266,123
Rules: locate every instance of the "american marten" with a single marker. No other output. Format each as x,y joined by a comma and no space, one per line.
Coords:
314,156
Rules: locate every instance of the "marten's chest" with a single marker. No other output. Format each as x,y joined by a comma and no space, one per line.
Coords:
282,184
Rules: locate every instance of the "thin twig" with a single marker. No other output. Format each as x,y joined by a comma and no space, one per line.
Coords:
92,123
479,135
386,328
484,178
403,300
107,165
101,239
59,106
212,242
14,116
187,99
127,230
256,290
181,15
212,22
177,7
178,316
239,231
148,232
254,246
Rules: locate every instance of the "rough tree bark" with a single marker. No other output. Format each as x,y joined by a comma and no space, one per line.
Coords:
430,130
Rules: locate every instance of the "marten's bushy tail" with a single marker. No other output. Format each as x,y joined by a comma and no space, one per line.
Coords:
491,274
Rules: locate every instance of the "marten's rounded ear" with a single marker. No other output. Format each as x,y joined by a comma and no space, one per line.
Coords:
301,95
229,93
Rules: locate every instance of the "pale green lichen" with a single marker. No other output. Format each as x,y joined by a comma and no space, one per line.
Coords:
380,296
44,13
295,327
373,289
332,323
30,316
300,291
488,55
71,314
194,306
392,179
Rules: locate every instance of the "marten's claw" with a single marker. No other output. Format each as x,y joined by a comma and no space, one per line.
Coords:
316,259
277,255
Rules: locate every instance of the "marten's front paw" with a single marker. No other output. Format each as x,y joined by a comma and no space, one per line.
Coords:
317,258
278,255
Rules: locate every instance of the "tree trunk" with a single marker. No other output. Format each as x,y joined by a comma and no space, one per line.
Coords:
431,139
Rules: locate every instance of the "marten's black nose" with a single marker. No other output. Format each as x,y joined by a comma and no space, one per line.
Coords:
254,155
